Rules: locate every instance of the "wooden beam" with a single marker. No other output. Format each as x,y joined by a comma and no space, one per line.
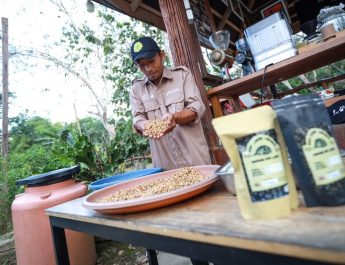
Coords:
316,83
295,26
210,16
184,52
232,25
152,10
246,18
292,3
266,3
224,18
134,5
216,106
247,8
293,15
212,80
250,5
236,103
200,58
140,13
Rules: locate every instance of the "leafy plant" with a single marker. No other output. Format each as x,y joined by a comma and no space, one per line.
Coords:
126,143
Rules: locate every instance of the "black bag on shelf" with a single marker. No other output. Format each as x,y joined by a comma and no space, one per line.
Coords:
315,156
336,112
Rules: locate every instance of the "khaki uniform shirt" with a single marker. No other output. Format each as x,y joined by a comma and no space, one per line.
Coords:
186,144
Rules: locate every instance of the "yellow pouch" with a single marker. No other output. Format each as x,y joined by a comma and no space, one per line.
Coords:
264,182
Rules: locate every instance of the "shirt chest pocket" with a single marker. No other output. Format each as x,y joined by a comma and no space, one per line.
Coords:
150,107
174,101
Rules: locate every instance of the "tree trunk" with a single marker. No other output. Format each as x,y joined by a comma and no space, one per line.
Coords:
183,51
100,106
287,84
4,149
304,79
4,145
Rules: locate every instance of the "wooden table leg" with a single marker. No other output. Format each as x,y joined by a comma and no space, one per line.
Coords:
60,246
152,257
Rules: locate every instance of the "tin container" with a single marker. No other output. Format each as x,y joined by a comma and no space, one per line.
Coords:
226,174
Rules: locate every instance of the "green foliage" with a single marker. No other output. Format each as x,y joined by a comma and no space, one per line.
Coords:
328,71
28,132
126,143
80,150
34,160
112,41
112,44
37,146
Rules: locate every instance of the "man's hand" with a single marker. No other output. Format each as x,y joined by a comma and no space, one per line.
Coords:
153,128
185,116
140,126
170,119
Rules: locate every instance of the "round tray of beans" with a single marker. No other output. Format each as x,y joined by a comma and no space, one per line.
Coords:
153,191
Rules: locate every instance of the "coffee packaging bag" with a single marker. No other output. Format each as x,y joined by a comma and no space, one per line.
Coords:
264,182
315,156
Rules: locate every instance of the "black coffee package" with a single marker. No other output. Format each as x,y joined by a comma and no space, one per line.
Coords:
315,156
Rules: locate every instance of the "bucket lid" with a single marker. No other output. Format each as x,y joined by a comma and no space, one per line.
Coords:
105,182
48,178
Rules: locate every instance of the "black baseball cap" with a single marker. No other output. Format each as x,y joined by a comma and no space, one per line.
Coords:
144,47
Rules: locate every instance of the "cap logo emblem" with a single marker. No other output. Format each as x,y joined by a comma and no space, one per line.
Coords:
137,46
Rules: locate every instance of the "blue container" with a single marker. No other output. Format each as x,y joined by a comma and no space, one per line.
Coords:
102,183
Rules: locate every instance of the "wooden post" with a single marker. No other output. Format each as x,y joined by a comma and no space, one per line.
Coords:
236,103
4,147
216,106
184,53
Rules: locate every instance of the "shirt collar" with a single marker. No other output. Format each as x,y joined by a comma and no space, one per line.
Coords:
166,74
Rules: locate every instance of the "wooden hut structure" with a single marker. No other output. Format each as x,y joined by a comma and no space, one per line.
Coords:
189,23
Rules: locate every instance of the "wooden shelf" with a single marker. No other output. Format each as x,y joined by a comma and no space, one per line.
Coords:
324,54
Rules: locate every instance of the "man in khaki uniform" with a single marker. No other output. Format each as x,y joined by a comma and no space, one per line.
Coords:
172,95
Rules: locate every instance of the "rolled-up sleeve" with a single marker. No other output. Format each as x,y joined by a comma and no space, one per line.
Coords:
138,110
193,99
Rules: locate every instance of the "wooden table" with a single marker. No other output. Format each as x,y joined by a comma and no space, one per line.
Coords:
330,101
325,53
209,227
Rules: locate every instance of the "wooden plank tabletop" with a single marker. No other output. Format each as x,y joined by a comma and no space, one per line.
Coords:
330,101
325,53
214,217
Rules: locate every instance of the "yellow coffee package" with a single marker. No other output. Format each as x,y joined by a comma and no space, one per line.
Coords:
263,178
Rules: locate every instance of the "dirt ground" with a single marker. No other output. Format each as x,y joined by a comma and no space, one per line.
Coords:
108,252
114,253
7,252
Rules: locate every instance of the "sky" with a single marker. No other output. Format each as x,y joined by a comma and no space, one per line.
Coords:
40,91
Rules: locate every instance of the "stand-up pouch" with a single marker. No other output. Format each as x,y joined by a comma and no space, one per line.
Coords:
316,160
264,182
